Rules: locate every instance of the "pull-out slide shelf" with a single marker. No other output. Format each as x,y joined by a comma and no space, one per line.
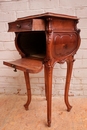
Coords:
26,64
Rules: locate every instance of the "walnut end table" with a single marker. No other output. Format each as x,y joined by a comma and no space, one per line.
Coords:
42,41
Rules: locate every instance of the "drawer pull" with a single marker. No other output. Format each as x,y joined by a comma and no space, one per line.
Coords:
15,70
18,26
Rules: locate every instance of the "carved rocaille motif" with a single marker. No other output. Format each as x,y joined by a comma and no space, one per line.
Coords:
49,40
43,40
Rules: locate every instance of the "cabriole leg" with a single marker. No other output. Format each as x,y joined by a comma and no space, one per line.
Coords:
68,78
48,77
45,77
27,80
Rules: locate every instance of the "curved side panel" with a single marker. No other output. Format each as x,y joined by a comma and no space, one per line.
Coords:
17,45
64,44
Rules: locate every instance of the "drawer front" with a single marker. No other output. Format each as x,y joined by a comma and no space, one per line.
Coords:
20,26
64,44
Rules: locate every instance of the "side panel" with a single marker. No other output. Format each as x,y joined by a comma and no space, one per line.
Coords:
63,24
64,44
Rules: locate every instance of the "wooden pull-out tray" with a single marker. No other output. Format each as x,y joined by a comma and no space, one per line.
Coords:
26,64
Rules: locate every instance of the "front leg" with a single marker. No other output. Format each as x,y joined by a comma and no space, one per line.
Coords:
27,80
45,77
48,76
68,78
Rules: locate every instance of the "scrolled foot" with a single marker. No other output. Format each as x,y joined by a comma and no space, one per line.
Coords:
69,108
49,123
26,107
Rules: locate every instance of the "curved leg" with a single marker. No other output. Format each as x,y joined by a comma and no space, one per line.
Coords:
68,77
27,80
49,70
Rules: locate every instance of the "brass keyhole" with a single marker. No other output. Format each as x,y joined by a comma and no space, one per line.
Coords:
65,46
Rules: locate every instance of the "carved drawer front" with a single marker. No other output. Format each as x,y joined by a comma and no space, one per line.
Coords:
64,44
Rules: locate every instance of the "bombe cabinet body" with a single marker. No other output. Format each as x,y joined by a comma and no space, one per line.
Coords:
44,40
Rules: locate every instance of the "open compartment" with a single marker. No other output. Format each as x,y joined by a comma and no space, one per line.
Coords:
32,44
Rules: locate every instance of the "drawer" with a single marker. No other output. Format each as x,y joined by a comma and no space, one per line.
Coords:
20,26
25,64
27,25
64,44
